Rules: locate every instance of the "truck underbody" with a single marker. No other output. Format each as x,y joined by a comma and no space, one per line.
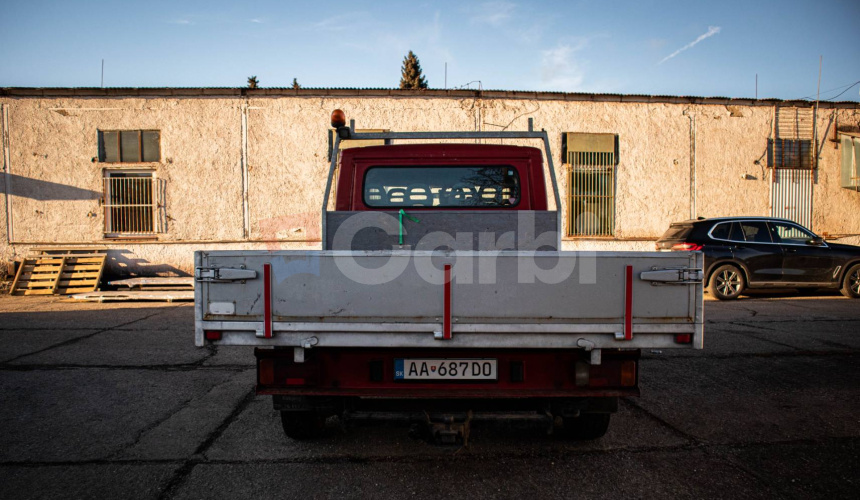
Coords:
560,387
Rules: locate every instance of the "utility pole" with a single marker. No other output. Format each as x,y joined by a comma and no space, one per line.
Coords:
815,114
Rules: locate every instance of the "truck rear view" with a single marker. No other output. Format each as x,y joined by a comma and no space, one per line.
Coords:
441,295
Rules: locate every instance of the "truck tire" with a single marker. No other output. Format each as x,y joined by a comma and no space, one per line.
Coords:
302,425
851,283
727,283
587,426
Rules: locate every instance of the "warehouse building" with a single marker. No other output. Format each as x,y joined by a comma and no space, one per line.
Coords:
151,175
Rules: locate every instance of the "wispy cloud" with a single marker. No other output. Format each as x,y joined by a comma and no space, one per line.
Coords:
712,30
180,21
493,13
531,34
656,43
257,20
341,22
560,69
425,38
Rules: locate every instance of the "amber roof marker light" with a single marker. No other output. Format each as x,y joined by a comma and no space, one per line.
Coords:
338,122
338,118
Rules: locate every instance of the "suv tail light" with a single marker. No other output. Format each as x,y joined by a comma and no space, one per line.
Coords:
687,247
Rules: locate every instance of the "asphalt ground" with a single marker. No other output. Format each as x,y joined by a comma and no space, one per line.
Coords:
114,401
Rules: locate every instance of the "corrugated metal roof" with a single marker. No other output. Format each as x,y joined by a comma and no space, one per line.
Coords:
389,92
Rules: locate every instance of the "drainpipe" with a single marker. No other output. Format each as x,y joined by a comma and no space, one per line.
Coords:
692,118
246,216
4,136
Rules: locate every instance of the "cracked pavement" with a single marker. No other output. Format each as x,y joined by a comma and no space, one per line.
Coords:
113,400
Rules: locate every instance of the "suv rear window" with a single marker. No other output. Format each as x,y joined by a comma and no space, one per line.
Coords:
677,232
442,186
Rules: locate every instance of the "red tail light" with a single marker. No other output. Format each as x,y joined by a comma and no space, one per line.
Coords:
687,247
628,374
684,338
266,371
212,335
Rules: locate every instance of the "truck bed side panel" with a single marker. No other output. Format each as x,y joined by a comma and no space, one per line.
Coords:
355,298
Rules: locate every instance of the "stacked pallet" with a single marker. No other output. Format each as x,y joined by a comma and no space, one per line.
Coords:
53,274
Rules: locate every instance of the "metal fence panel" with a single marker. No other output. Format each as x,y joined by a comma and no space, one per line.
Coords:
791,195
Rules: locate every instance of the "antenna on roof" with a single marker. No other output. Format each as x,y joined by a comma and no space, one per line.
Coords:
103,73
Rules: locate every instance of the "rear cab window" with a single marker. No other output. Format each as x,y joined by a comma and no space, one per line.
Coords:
471,186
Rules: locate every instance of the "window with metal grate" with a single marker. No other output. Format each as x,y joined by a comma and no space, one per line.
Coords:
591,161
790,153
129,203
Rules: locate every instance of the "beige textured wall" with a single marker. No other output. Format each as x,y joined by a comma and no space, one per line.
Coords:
57,185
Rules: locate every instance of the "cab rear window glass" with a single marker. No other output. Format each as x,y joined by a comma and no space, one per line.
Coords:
442,186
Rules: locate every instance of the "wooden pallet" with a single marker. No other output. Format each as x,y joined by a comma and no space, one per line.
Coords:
59,274
156,283
135,295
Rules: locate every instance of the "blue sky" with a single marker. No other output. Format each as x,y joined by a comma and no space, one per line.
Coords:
700,48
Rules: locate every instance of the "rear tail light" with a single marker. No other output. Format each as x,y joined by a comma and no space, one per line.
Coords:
687,247
628,374
280,371
212,335
684,338
266,371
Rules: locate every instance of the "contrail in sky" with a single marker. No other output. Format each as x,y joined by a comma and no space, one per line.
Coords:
712,30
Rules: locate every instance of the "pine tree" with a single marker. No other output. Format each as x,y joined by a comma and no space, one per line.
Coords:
252,82
411,73
296,85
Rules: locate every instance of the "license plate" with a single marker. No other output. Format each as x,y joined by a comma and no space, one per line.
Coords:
445,369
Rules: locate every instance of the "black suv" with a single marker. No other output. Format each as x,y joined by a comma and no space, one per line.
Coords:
760,252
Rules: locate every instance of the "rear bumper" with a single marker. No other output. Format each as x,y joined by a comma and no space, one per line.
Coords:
522,374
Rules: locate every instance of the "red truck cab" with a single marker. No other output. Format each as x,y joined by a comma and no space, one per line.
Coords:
429,177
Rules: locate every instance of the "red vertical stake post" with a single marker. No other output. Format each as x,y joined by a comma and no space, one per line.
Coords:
446,308
628,303
267,300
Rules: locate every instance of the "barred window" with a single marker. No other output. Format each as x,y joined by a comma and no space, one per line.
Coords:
129,205
129,146
789,153
591,161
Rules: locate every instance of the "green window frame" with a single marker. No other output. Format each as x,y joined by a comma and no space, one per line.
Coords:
129,146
